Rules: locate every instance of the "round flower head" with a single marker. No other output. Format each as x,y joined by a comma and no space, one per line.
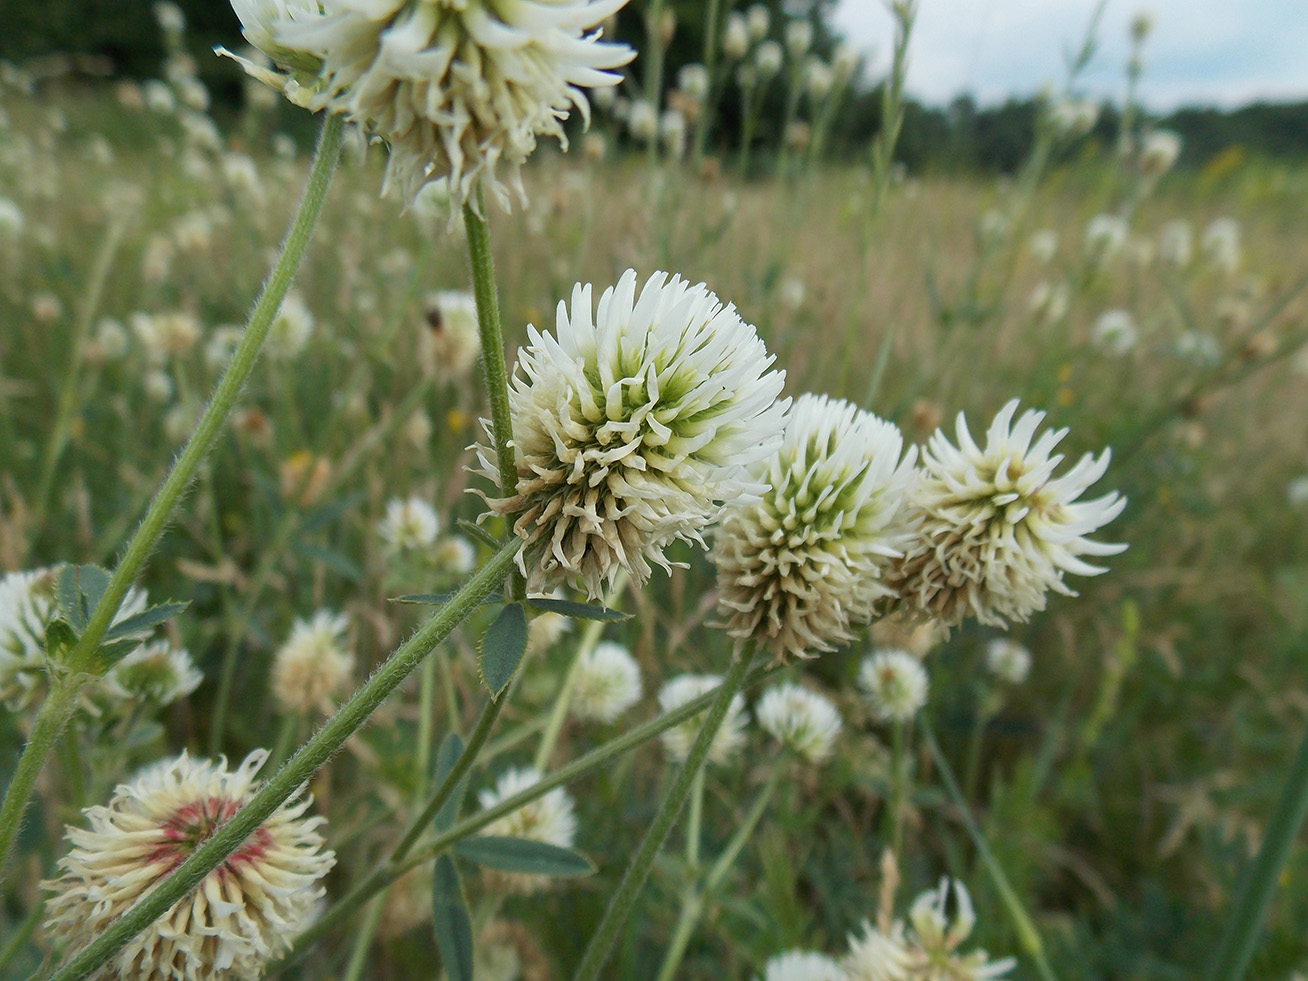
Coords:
1115,332
998,529
895,683
290,328
313,665
457,90
607,683
880,956
631,427
156,671
1105,236
799,567
802,965
410,523
937,937
549,819
1158,152
678,740
27,605
450,346
1008,660
243,914
804,722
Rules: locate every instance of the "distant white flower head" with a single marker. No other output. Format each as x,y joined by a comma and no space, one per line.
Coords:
1049,302
818,78
895,683
672,132
1008,660
632,427
1176,243
450,346
998,529
643,121
156,672
768,58
245,913
290,329
165,335
693,81
937,935
1105,236
1070,119
607,683
410,523
1296,492
802,965
878,956
735,36
11,219
27,605
1043,245
242,176
799,37
110,338
1159,151
1115,332
801,720
457,90
759,20
313,666
798,568
549,819
169,17
1221,245
454,554
678,740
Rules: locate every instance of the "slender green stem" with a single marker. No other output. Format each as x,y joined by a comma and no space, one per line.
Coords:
712,25
695,823
563,700
1027,935
1258,883
76,353
623,900
18,939
388,872
179,477
363,941
284,784
426,726
898,785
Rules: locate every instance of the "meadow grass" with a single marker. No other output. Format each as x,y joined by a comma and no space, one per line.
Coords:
1122,786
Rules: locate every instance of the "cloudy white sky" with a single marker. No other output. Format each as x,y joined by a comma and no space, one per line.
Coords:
1202,52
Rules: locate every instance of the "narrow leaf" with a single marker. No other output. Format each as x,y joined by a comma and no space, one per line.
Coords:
145,620
523,856
582,611
502,648
326,515
481,534
449,753
439,599
331,559
450,921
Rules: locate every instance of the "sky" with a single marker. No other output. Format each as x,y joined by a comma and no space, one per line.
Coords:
1202,52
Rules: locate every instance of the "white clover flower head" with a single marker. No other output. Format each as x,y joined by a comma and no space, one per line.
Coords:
290,329
156,671
1070,119
895,683
818,78
454,554
799,37
246,912
1221,245
1049,302
27,605
845,62
693,81
1198,346
1008,660
549,819
672,132
1105,237
1296,491
999,530
880,956
802,965
643,121
313,666
735,36
242,176
410,523
1043,245
166,335
110,338
169,17
158,386
457,90
678,740
768,58
11,219
803,721
545,629
759,20
1159,151
1115,332
798,567
938,936
632,427
451,344
607,683
1176,243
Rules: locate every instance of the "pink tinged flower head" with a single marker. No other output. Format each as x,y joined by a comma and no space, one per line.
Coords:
803,562
243,914
998,530
632,425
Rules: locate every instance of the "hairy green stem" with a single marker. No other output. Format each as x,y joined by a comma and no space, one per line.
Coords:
363,941
284,784
387,872
623,901
1027,935
1258,883
179,477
